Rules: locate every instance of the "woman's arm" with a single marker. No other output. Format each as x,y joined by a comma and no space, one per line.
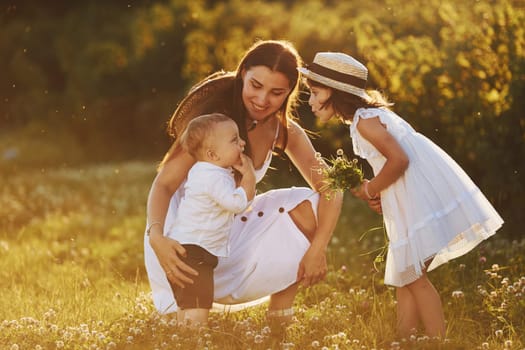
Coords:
167,181
396,158
312,267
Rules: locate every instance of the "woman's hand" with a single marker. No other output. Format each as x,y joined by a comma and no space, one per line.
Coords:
313,267
169,178
168,252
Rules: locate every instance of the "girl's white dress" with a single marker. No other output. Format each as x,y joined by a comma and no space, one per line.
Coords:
265,250
433,211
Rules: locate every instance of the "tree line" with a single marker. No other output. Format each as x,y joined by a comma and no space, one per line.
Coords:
97,81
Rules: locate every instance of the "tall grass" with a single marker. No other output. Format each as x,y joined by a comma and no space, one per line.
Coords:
72,277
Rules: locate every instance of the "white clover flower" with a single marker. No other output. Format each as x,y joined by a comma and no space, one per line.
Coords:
315,344
499,333
395,345
495,267
258,339
457,294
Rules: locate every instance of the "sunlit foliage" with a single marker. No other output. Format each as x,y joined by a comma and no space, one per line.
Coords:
81,78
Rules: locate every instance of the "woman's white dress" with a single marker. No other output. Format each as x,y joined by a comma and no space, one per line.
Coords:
265,249
433,211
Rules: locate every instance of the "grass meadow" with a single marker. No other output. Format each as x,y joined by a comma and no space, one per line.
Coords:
72,277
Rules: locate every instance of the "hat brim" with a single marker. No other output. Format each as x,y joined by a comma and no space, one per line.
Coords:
209,96
334,84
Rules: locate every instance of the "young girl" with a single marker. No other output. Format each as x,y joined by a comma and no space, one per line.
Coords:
432,210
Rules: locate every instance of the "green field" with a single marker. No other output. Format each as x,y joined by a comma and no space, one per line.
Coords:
72,277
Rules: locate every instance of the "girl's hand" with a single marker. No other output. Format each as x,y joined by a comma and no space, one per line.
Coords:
375,204
363,192
168,252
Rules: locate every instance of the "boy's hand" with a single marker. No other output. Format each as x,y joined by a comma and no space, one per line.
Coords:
246,166
248,176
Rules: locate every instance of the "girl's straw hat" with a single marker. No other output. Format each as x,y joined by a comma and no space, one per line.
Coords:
338,71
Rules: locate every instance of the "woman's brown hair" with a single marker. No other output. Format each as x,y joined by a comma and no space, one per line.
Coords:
222,92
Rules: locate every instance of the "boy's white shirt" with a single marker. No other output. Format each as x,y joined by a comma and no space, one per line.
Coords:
205,214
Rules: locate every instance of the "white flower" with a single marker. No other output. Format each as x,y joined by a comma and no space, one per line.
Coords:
457,294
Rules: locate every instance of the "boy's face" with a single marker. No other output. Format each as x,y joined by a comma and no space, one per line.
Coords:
225,144
318,97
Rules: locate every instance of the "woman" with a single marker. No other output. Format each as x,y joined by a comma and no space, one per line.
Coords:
282,238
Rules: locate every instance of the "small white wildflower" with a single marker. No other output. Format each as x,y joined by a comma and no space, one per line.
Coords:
508,344
485,345
258,339
499,333
315,344
457,294
15,347
395,345
340,152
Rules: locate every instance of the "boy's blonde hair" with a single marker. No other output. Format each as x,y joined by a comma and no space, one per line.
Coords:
195,137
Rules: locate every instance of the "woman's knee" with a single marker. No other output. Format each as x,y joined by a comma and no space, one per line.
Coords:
303,217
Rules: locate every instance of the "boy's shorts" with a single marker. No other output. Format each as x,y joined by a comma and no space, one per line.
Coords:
198,295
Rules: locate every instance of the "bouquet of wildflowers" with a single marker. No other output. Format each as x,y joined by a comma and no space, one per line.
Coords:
342,174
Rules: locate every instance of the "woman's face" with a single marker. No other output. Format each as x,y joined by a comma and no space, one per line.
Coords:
318,97
264,91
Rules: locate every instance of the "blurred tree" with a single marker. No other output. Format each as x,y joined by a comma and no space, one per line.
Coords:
92,78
